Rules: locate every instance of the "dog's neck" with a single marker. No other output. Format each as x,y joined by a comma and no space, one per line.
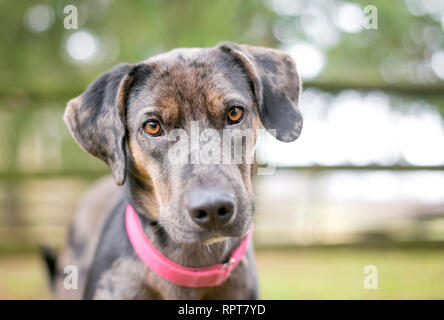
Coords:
196,255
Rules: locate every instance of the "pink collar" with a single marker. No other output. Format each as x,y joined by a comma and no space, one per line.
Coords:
167,269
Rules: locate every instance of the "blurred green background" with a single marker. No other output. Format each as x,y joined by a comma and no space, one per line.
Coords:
363,185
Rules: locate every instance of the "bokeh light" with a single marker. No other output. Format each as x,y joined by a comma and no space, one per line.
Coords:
421,136
438,63
39,18
316,25
82,46
350,18
310,60
286,7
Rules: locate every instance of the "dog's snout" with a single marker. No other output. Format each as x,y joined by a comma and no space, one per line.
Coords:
211,208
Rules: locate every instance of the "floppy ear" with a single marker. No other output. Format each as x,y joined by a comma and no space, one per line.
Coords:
96,118
276,86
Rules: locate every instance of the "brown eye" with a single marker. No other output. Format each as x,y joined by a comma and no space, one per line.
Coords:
235,115
152,128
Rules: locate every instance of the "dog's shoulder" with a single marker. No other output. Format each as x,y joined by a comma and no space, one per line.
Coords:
96,203
85,232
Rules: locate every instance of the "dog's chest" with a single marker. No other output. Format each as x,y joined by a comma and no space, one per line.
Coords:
131,279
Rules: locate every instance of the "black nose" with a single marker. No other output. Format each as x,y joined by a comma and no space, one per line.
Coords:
211,208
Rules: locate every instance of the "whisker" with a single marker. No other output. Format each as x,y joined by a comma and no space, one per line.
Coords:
208,248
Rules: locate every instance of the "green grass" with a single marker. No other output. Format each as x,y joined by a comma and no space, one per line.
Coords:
290,274
338,274
23,277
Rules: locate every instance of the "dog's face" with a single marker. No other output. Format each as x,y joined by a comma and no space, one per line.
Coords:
150,122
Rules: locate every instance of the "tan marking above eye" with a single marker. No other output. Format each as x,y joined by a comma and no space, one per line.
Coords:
152,127
235,114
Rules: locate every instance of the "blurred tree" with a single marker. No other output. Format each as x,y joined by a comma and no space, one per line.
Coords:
43,64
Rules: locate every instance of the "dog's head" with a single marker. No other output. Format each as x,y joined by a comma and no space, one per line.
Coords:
140,119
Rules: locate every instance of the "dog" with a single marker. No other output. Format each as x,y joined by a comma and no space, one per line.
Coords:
193,218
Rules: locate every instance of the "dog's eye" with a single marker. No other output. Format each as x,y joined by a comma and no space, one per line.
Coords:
152,128
235,115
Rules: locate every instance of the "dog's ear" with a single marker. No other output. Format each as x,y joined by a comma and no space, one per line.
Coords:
96,118
276,86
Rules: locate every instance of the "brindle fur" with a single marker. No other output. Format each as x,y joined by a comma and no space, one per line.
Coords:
107,119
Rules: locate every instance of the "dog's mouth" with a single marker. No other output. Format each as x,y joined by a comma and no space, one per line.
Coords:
216,239
204,237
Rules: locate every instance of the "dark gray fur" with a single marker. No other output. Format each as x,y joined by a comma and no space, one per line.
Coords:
178,87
